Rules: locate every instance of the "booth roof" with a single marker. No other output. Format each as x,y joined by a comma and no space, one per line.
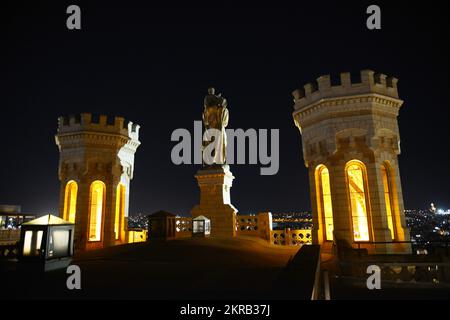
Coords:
47,220
201,218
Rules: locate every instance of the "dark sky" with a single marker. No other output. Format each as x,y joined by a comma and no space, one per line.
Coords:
153,65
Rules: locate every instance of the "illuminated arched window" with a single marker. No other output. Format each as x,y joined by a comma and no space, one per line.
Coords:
97,202
120,209
70,201
355,172
387,197
324,204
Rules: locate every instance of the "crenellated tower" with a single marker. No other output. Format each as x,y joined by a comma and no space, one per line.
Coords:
96,166
351,141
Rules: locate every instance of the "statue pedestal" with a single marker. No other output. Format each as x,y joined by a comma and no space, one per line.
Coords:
215,203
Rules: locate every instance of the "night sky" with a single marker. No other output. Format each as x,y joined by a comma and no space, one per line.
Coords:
153,65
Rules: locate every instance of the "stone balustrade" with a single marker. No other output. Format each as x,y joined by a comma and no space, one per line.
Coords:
9,235
183,227
290,237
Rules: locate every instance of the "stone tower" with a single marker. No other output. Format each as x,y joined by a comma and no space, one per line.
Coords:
351,141
95,169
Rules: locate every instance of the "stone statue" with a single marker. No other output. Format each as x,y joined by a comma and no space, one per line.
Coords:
215,116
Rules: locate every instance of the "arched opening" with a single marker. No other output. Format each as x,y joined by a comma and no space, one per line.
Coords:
96,208
120,209
324,204
70,201
356,183
385,174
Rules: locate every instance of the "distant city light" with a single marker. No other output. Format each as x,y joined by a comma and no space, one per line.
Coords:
442,211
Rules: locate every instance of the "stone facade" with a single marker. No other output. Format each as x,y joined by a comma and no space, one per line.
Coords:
99,150
354,121
215,201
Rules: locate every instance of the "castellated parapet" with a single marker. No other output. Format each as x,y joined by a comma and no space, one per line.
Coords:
96,166
351,141
322,88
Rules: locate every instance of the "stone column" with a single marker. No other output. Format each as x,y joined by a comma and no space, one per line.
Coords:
398,213
377,213
317,231
82,215
342,216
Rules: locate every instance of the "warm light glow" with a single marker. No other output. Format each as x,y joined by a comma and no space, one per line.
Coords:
120,209
70,201
27,243
96,210
32,242
356,181
198,226
201,224
324,200
59,243
387,198
39,240
137,236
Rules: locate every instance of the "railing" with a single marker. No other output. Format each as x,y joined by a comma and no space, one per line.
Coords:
418,247
416,273
291,219
10,235
247,225
401,269
183,227
433,273
290,237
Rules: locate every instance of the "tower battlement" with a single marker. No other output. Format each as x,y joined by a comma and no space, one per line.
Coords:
98,123
322,88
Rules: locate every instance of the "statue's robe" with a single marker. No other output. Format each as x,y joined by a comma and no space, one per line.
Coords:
216,117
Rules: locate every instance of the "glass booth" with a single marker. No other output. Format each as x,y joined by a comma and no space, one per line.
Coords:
201,227
46,243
